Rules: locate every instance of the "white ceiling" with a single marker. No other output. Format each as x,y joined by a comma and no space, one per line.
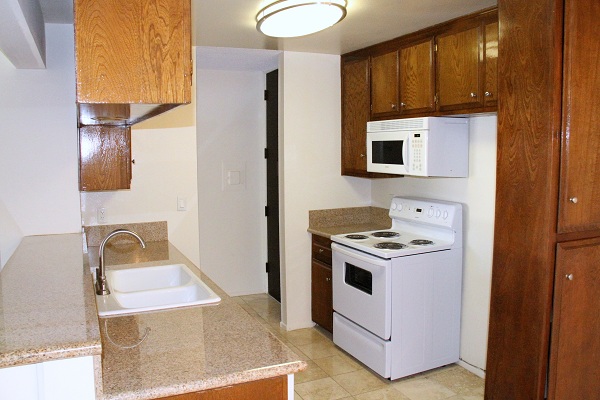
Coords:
231,23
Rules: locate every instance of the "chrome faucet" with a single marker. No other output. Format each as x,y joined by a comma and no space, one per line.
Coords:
101,284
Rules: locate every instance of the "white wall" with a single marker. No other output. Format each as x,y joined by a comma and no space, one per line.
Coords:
309,177
164,150
477,193
38,155
231,137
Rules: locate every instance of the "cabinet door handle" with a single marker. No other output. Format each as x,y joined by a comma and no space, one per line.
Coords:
320,251
402,104
393,106
362,156
573,200
327,279
488,94
569,277
473,95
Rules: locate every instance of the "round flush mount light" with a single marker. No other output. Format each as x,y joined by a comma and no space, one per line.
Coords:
291,18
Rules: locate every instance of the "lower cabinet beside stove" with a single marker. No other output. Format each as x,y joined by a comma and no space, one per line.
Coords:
321,286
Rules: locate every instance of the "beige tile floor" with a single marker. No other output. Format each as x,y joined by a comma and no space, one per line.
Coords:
333,374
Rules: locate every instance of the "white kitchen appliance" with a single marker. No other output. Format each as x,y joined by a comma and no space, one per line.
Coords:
397,292
428,146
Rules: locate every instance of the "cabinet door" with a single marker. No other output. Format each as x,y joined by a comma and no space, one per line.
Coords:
384,84
104,158
417,78
579,207
458,73
575,353
490,95
134,51
355,114
264,389
322,295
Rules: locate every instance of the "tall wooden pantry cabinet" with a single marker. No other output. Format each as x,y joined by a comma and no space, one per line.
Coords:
544,337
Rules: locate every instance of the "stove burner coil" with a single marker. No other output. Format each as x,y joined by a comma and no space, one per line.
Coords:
390,246
385,234
356,237
421,242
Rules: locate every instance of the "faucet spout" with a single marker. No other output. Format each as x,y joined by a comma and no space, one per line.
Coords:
101,283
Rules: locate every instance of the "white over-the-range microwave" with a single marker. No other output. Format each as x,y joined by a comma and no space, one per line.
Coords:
428,146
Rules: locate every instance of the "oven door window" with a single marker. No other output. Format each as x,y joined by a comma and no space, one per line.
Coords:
359,278
387,152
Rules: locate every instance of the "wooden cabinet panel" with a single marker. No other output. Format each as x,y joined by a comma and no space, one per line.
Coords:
104,158
575,355
417,74
136,51
264,389
458,78
322,295
490,94
355,114
580,157
384,84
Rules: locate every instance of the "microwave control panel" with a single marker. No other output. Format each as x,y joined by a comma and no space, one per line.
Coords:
417,154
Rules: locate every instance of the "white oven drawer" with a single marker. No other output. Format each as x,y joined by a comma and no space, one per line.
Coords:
362,289
372,351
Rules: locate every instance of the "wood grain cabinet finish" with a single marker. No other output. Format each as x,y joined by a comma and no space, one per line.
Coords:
104,158
417,73
384,84
458,63
135,52
575,353
490,89
321,284
264,389
580,158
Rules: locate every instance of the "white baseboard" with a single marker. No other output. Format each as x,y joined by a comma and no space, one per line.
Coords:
471,368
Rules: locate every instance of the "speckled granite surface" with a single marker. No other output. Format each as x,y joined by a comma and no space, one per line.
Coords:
150,231
185,350
47,305
336,221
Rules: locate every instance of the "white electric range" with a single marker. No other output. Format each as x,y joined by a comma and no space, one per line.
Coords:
397,292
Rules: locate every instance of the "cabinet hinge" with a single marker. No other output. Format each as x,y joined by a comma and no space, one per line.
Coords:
267,267
266,153
266,95
435,47
266,211
435,98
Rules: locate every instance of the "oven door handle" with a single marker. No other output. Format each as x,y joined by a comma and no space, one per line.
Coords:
380,262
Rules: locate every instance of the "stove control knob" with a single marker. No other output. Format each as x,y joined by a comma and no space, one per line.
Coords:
438,213
445,214
400,206
430,212
394,206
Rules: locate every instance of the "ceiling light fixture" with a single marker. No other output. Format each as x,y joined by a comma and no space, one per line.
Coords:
291,18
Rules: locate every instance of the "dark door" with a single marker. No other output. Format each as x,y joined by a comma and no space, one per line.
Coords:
272,210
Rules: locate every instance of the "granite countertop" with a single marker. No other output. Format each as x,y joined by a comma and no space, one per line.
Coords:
48,312
336,221
170,352
47,304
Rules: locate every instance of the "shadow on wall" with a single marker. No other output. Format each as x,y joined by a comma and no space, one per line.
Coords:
10,235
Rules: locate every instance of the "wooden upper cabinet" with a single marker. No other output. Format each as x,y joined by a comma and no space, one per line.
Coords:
104,158
355,114
458,66
417,75
384,84
490,93
579,204
132,52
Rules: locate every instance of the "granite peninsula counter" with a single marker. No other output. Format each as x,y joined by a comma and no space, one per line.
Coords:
144,356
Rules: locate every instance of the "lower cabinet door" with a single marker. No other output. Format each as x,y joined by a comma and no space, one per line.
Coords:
575,349
322,295
264,389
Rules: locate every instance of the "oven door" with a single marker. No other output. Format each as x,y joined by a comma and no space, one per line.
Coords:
362,289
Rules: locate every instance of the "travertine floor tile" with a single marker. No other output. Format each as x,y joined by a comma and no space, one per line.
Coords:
311,373
319,350
382,394
337,365
306,336
423,389
321,389
460,381
360,381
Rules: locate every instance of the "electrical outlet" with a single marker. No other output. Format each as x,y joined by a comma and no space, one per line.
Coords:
101,215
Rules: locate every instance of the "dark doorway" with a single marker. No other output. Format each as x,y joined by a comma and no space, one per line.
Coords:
272,208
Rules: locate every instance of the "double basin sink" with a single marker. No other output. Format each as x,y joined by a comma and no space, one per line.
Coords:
161,287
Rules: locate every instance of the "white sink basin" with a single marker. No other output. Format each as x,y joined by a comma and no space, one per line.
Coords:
153,288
